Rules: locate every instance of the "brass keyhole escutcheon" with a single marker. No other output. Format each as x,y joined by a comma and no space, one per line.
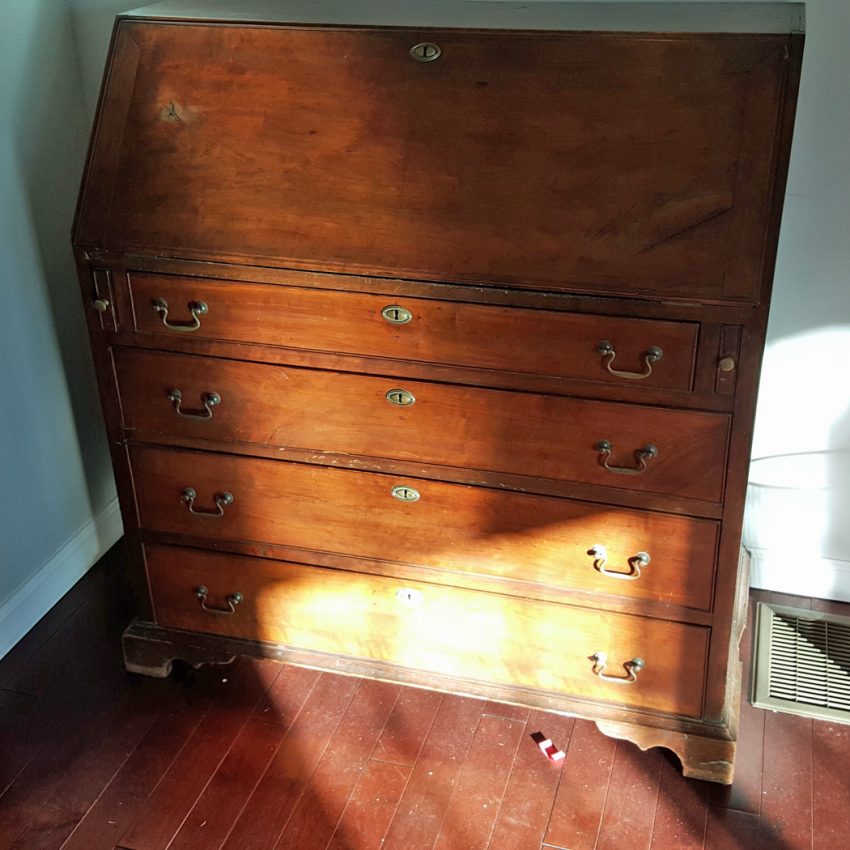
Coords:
396,315
401,398
404,493
425,51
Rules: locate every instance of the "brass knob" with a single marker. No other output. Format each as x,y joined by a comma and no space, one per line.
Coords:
101,305
727,364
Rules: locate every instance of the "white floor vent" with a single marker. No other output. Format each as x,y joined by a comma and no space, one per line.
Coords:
802,662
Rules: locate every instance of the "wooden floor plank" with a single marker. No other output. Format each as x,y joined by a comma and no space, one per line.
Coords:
59,734
120,804
471,814
831,784
93,766
72,673
580,800
315,817
185,780
629,812
682,810
271,804
208,823
530,793
370,808
727,829
786,811
287,695
423,805
407,726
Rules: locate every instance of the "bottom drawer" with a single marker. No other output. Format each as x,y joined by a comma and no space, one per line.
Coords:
469,634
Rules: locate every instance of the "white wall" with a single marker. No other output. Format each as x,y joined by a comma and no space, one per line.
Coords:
57,499
798,517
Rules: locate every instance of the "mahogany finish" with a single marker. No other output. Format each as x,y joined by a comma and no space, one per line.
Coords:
638,165
454,632
452,333
554,250
443,425
543,544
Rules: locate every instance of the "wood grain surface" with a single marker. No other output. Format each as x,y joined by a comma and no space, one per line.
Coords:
636,164
456,632
519,539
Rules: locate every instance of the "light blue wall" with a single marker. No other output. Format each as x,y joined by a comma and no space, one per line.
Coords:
55,476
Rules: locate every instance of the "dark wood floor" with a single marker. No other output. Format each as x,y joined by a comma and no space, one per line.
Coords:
257,756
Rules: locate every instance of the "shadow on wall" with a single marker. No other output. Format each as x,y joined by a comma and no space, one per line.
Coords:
798,503
92,22
50,139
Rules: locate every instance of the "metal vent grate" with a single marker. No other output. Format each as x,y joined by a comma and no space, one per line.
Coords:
802,662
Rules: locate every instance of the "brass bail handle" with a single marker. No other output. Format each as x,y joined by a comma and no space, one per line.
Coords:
196,310
222,500
632,668
232,601
652,355
642,456
209,401
636,563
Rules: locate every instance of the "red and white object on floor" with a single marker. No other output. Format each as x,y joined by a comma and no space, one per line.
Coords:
550,750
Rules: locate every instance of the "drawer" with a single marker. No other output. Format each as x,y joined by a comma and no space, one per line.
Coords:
630,164
520,540
513,339
510,432
449,631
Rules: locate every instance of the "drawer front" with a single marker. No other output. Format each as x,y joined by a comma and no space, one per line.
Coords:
517,538
451,631
513,339
629,164
501,431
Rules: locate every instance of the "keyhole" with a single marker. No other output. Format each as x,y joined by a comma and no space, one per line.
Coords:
425,51
396,315
402,398
405,494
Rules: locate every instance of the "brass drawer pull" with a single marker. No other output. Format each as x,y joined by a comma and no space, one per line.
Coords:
196,308
396,315
636,563
222,500
604,447
652,355
401,398
404,493
209,400
633,667
425,51
232,601
100,304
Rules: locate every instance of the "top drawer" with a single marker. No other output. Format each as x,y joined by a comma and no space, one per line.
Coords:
648,352
616,163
